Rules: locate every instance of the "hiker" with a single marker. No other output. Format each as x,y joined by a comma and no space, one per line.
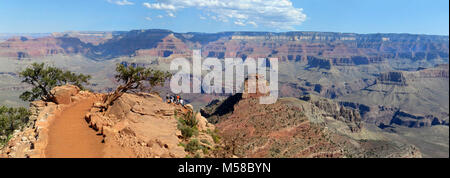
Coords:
168,98
171,99
178,99
182,102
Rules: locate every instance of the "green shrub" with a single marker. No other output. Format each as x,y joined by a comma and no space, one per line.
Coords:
197,155
205,141
187,131
187,124
189,119
193,146
214,134
11,119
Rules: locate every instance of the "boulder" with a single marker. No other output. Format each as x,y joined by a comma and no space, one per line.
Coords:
63,94
99,105
202,124
38,104
189,106
96,121
168,112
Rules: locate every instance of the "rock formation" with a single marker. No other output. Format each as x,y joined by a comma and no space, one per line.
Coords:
389,79
393,78
142,125
318,48
41,47
33,140
311,127
408,98
136,125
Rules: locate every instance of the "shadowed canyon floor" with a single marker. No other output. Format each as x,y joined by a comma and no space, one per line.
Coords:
70,135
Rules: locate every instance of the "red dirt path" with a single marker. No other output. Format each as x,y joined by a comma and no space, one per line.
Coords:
70,135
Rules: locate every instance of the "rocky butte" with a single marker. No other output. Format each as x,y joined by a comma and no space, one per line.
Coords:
308,127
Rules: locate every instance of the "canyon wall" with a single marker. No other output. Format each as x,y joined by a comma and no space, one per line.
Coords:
340,49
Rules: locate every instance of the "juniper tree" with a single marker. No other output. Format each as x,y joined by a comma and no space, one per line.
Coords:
134,78
44,78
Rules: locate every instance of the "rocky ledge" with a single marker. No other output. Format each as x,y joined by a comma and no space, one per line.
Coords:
142,125
136,125
32,141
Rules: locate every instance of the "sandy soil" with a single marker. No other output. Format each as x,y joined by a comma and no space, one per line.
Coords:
70,135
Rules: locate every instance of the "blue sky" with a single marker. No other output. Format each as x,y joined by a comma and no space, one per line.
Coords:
359,16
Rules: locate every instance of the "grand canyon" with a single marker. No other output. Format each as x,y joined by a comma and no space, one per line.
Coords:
341,94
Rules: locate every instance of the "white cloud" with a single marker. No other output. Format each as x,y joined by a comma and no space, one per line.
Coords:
203,18
121,2
148,18
280,14
160,16
170,14
240,23
159,6
253,23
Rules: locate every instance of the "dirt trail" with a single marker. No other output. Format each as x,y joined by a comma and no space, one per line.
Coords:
70,135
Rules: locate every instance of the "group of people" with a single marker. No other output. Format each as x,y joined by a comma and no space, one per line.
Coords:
175,99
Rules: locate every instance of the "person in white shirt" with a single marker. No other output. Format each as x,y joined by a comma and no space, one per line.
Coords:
181,102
